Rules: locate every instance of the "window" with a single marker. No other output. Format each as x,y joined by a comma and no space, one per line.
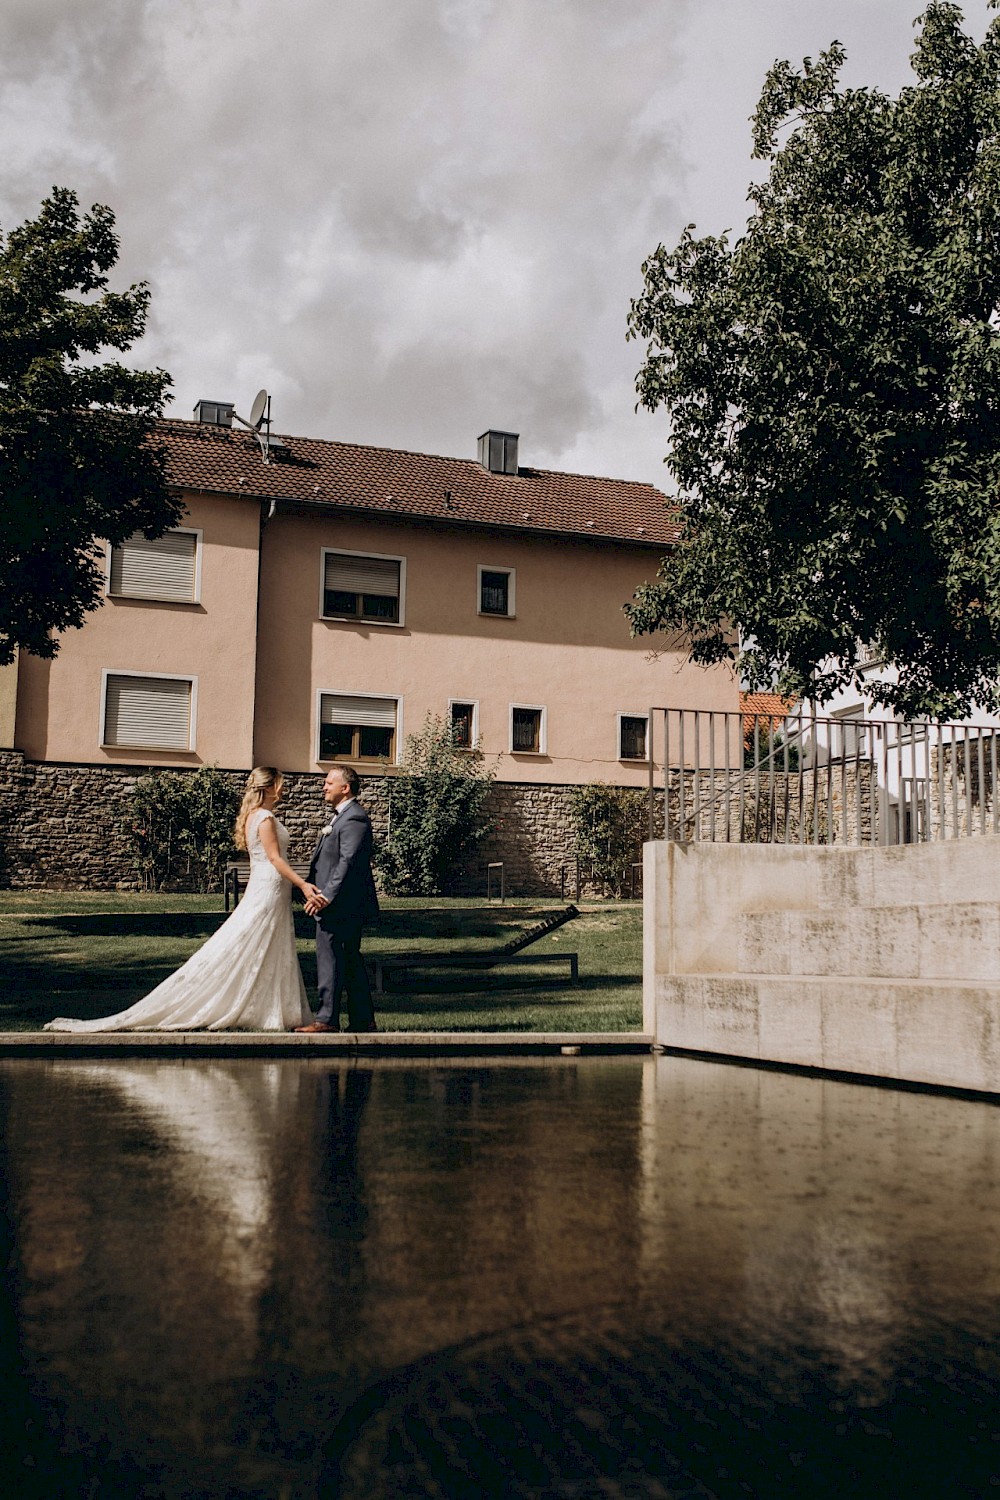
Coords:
527,730
360,587
464,724
496,591
356,726
848,733
632,736
167,568
149,712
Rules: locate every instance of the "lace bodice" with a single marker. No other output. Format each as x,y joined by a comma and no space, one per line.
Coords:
255,848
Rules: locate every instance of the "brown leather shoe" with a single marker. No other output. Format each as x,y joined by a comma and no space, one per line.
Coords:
315,1029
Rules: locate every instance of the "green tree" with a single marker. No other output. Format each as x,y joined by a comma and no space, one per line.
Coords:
77,464
437,812
610,823
181,826
832,381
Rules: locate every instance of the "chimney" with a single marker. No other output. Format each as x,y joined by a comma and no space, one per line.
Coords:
498,451
215,413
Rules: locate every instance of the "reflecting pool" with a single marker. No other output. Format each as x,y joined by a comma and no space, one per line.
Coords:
574,1277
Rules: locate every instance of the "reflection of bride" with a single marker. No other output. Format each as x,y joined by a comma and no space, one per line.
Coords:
246,977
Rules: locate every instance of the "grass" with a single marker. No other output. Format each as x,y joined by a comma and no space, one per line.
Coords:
89,954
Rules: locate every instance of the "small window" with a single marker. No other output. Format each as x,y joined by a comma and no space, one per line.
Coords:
527,730
164,568
463,725
632,736
496,591
362,588
356,727
150,713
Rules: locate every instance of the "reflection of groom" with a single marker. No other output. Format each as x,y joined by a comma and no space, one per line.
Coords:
341,867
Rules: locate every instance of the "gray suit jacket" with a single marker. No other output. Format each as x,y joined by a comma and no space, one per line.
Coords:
342,867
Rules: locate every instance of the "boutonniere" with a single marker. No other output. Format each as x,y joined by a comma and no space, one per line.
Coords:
327,828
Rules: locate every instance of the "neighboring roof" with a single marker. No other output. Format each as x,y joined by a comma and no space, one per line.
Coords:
393,482
769,706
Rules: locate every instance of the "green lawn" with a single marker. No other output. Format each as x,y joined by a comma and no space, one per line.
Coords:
85,954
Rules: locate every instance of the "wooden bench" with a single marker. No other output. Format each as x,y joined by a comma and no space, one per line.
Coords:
238,873
401,962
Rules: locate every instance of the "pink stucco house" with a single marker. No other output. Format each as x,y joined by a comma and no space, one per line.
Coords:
318,605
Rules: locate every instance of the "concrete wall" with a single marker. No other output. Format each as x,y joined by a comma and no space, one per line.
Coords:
875,961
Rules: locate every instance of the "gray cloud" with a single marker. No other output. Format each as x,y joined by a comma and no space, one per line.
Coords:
410,219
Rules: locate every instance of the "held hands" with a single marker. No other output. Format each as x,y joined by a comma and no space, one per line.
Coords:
315,900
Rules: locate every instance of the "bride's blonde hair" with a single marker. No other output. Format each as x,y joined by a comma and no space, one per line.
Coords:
260,780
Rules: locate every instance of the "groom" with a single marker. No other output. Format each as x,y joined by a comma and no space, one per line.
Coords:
341,867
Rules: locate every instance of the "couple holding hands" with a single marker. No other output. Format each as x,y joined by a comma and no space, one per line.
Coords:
246,977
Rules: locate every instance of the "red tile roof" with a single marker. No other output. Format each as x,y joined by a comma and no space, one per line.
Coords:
393,482
767,706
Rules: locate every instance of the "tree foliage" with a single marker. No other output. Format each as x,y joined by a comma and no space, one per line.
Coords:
182,828
610,824
76,461
832,381
437,812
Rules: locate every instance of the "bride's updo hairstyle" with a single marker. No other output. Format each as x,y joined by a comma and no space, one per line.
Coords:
259,782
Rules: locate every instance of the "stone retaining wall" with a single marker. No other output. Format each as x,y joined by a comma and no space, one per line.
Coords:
66,827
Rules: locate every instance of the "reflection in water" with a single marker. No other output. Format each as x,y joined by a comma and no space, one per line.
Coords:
287,1277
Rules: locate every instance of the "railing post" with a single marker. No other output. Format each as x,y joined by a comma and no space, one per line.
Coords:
756,779
697,775
729,784
682,772
711,769
650,739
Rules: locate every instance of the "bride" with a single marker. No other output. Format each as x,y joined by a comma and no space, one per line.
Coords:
246,977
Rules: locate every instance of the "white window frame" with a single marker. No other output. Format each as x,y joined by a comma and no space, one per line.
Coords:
198,534
107,672
543,729
632,713
352,693
474,702
357,619
488,614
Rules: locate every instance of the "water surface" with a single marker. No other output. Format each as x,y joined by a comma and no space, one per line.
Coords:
571,1277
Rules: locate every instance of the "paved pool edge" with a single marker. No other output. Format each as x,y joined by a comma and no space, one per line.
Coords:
282,1044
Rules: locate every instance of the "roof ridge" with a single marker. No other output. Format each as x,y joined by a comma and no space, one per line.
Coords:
449,458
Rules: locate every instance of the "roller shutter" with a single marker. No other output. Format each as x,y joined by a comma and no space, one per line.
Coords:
362,575
152,712
373,713
164,568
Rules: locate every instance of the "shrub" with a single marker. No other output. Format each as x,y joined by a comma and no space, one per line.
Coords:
437,812
182,827
782,753
610,823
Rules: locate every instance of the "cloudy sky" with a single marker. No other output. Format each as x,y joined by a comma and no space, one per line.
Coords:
410,219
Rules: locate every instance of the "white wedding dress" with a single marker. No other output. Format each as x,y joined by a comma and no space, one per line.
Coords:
246,977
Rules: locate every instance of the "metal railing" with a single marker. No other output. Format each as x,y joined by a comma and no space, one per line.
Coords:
808,779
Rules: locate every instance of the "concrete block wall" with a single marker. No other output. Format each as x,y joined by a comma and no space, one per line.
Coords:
873,961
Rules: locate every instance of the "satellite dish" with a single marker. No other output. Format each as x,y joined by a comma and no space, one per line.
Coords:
258,409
